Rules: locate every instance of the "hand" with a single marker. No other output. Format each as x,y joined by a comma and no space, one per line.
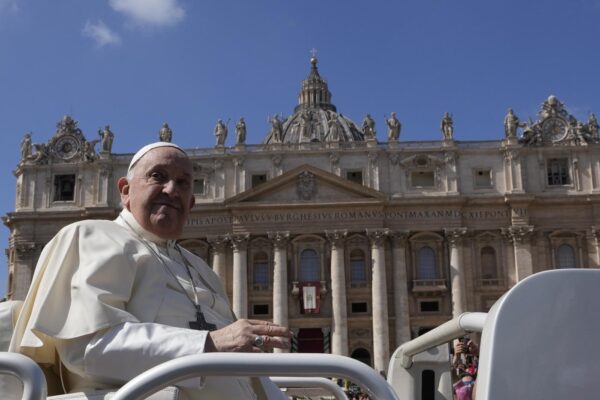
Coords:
459,347
240,336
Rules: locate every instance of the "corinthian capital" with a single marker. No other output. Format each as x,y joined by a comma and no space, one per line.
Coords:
518,234
399,238
240,241
336,238
377,236
455,235
218,242
279,239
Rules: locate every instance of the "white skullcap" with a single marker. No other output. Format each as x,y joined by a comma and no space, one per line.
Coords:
142,152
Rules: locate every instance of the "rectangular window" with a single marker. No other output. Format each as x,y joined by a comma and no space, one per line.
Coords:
483,178
359,307
260,309
558,172
423,179
258,179
429,306
199,186
64,187
355,176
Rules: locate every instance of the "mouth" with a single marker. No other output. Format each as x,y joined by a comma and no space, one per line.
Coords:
166,204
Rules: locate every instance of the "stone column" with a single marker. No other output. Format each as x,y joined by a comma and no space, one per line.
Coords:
240,275
280,281
521,239
457,280
402,326
26,255
219,263
339,334
381,345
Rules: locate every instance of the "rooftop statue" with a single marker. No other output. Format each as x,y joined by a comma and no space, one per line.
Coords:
592,126
26,147
221,132
394,127
276,129
511,123
240,131
335,129
165,134
447,126
107,138
368,127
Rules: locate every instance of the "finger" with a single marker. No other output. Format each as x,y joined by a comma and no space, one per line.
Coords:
273,330
260,322
276,342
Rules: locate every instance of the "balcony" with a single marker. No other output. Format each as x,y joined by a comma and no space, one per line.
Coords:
427,286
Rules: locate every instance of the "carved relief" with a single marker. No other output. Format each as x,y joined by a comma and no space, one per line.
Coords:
306,186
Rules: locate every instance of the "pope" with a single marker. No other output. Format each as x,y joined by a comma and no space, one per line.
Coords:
111,299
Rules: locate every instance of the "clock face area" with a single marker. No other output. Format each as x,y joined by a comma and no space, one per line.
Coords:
66,147
555,129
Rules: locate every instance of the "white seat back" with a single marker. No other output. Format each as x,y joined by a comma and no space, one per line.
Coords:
9,312
541,339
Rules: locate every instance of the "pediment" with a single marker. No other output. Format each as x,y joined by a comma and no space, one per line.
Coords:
307,184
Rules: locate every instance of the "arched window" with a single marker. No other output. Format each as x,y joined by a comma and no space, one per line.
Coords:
426,268
358,267
310,266
488,263
261,269
566,256
363,355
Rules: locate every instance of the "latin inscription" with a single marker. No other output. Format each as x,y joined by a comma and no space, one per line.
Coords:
353,215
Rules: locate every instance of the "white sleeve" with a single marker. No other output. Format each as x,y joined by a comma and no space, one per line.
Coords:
117,355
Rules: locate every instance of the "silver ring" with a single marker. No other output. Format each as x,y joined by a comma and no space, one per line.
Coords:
259,341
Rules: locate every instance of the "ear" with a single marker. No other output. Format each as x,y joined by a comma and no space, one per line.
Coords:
123,185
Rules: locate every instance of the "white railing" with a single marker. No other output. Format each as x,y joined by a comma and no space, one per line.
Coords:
291,382
457,327
25,369
249,364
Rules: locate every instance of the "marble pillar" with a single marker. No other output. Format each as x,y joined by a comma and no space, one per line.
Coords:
240,275
280,280
400,284
219,262
457,271
521,240
381,345
339,329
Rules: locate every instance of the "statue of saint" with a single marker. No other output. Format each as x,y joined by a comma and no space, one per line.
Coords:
26,147
394,127
276,129
592,126
305,126
368,127
107,139
447,126
240,131
335,129
221,132
511,123
165,134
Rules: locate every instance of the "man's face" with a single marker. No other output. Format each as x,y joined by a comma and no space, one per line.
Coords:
160,193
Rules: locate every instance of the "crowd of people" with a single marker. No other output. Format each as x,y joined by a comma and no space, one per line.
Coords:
465,362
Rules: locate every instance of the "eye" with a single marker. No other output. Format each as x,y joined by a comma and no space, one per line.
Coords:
184,184
157,176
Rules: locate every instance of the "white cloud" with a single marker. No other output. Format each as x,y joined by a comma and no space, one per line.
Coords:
9,5
100,33
150,13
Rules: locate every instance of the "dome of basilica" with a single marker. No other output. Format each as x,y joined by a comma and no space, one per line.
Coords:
315,118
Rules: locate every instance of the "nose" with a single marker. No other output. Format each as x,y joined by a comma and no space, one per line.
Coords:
170,188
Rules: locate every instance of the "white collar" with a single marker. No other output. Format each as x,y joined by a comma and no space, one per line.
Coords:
127,220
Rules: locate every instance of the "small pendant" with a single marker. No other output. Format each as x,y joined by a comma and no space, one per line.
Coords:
200,324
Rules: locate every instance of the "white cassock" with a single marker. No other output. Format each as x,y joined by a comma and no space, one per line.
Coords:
104,302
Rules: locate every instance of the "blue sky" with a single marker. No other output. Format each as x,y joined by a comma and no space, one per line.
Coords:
135,64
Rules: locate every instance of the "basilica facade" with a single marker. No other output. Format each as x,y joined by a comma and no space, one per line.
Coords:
356,244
